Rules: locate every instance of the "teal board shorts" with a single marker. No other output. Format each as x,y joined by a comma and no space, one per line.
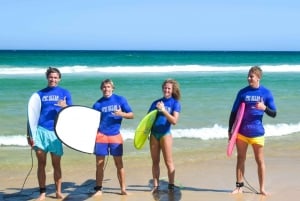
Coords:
47,141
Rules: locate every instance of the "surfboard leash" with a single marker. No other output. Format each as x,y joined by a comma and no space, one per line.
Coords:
19,194
249,187
29,172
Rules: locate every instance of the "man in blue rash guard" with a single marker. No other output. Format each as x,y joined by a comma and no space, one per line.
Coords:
114,109
258,100
53,98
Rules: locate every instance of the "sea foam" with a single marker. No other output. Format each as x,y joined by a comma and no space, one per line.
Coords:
209,133
146,69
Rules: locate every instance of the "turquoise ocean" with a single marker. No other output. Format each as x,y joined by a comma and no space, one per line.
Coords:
209,81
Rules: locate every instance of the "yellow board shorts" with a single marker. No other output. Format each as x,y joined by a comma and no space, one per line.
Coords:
253,140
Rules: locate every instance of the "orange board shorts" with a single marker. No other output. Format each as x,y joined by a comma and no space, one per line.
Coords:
106,145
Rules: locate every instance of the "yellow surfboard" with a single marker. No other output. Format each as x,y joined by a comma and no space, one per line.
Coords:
143,129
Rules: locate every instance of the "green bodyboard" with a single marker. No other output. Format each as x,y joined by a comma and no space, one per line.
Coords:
143,129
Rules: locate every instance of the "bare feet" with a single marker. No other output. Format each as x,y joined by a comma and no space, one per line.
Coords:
237,190
155,189
59,196
98,193
264,193
41,197
124,192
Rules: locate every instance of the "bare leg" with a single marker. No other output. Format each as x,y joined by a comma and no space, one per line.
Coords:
99,174
155,155
120,173
259,158
57,175
166,144
41,173
240,166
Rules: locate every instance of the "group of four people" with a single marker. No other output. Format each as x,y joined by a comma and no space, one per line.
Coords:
109,140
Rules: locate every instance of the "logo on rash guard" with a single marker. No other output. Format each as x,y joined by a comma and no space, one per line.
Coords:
253,98
50,98
110,108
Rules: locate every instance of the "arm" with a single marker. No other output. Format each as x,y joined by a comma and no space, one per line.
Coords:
126,112
238,100
231,122
271,113
29,136
172,118
267,110
126,115
66,101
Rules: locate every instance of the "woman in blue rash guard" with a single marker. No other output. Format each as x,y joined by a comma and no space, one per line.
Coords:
161,139
258,100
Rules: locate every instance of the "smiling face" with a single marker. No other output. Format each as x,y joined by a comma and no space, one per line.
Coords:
107,89
53,79
254,76
253,80
168,90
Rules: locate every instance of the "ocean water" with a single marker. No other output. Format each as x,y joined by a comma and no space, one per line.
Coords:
209,82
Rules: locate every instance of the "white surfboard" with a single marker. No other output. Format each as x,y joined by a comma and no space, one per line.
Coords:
33,114
76,126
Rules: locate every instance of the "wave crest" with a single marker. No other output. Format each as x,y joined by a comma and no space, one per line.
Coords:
206,133
146,69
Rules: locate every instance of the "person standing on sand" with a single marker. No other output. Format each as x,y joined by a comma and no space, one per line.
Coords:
258,100
109,140
160,138
53,99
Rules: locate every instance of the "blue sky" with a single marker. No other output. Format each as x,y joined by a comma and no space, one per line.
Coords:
150,25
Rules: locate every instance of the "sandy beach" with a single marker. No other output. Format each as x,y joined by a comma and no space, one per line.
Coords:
202,173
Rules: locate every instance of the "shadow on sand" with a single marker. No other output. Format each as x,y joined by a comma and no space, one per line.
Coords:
85,191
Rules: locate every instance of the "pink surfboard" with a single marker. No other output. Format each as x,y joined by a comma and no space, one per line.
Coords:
235,129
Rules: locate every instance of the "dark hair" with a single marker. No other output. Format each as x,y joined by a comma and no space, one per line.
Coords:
52,70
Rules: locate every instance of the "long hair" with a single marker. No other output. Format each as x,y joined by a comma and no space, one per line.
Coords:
176,90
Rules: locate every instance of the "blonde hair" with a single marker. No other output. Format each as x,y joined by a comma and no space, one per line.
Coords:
256,70
107,81
176,90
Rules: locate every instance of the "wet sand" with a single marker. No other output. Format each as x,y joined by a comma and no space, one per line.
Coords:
203,172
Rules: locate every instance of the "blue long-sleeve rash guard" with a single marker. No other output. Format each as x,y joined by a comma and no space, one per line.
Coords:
251,125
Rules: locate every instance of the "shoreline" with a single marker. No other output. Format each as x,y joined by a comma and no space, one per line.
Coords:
203,172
